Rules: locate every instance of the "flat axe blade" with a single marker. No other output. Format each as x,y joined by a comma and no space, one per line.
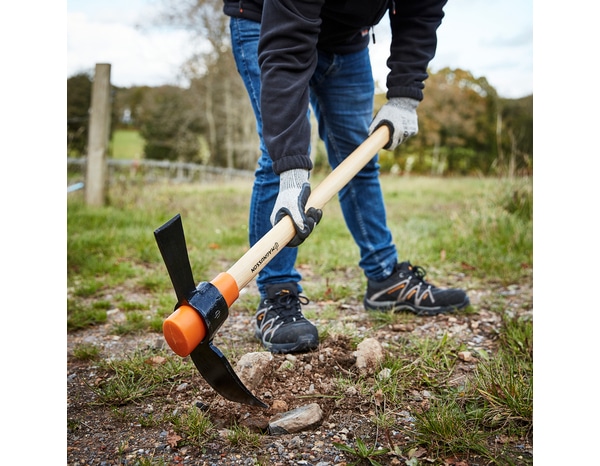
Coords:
219,374
171,243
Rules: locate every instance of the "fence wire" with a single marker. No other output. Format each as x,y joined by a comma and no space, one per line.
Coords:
149,171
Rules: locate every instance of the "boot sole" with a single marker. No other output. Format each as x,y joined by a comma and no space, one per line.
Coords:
394,306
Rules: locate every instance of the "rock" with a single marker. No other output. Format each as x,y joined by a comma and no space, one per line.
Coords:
279,406
255,424
385,374
369,354
251,368
296,420
466,356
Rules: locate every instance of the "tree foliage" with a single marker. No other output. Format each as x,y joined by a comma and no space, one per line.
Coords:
226,118
170,125
465,128
79,101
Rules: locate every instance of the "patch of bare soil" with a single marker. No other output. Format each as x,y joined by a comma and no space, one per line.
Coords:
104,435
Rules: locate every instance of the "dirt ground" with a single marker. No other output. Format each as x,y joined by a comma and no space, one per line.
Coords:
105,435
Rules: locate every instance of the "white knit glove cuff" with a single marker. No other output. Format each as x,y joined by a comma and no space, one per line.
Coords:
399,114
288,200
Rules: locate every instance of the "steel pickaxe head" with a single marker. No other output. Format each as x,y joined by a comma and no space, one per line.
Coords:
199,313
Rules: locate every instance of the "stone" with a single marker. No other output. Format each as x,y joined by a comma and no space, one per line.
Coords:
296,420
369,354
251,368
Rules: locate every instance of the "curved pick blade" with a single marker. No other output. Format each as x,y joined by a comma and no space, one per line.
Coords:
219,374
171,243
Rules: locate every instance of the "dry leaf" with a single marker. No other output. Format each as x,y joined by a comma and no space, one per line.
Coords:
172,439
455,462
155,360
378,397
417,452
466,266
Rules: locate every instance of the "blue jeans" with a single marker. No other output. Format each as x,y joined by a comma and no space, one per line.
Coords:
341,95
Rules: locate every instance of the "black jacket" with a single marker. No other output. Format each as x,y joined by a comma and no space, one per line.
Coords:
292,31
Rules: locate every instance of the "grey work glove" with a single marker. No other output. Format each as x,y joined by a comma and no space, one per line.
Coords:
294,190
399,114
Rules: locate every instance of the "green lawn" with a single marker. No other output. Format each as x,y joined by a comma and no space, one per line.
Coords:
127,144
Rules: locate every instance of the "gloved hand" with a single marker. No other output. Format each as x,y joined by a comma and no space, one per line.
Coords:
399,114
294,190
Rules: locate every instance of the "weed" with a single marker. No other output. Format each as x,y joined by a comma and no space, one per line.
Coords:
505,388
150,462
138,376
131,306
242,436
148,420
194,426
433,359
362,452
82,315
135,322
155,324
72,425
86,352
447,429
392,385
516,336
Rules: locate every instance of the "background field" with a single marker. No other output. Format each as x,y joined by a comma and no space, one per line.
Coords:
462,385
473,233
127,144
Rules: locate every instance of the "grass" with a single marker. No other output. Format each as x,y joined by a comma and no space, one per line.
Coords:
495,402
126,144
138,376
473,233
86,352
451,226
362,452
194,427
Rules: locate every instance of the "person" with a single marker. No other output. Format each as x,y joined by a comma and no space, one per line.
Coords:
290,53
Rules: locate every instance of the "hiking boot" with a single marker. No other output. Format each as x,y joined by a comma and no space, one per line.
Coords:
280,324
406,289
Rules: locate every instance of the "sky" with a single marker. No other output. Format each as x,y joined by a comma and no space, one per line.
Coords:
489,38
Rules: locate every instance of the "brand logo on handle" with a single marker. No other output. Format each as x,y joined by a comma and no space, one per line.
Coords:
265,257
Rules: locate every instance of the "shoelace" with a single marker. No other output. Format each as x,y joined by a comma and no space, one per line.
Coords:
419,272
287,306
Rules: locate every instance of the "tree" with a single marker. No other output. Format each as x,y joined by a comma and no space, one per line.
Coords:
516,135
170,125
464,127
79,101
218,94
453,121
130,101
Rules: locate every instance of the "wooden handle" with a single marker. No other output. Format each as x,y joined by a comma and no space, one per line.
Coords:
259,255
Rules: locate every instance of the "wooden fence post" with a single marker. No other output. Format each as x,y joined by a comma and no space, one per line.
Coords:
98,138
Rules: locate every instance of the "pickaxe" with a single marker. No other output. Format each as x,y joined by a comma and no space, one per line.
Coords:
201,310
